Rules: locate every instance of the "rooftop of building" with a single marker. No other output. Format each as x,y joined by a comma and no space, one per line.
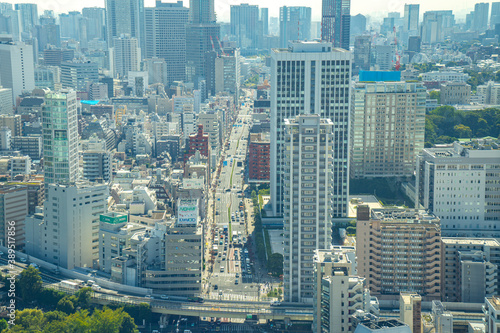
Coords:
355,200
494,301
472,148
470,241
382,324
337,254
407,215
262,137
310,47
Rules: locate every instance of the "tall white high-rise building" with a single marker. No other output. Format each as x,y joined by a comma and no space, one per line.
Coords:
17,70
308,179
60,137
126,55
125,17
311,78
67,233
166,37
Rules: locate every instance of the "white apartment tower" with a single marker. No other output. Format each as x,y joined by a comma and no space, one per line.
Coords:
17,70
67,233
126,55
387,128
459,183
311,78
308,180
60,137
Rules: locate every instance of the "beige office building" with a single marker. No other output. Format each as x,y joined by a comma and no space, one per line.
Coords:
387,128
399,250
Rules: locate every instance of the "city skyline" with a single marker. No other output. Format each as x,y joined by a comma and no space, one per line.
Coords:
375,9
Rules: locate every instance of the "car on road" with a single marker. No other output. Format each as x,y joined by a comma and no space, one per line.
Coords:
149,296
164,297
236,281
275,303
237,275
96,287
23,260
216,287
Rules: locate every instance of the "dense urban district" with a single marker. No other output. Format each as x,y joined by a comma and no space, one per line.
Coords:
163,171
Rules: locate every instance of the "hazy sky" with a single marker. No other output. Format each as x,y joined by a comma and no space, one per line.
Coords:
374,8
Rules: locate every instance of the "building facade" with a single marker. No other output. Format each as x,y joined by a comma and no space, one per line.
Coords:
258,157
311,78
470,269
398,250
60,137
17,71
166,37
67,232
336,22
459,183
388,127
453,93
308,207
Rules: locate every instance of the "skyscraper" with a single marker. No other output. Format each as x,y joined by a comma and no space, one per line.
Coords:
244,24
480,19
96,20
435,24
310,78
166,37
202,11
126,55
295,24
201,37
60,138
336,22
495,14
29,15
411,17
125,17
264,19
362,53
308,194
17,71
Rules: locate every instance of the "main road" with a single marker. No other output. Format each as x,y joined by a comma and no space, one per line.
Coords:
231,276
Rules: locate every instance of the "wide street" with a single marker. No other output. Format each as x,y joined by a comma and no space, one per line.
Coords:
232,276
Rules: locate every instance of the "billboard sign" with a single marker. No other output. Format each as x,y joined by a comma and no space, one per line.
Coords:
187,211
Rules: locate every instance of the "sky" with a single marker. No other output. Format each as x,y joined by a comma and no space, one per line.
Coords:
373,8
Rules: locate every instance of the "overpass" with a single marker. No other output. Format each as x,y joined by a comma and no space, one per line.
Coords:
213,308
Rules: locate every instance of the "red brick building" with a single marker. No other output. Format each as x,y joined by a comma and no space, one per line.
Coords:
259,157
197,142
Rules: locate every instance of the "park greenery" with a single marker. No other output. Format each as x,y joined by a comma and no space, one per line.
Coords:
273,261
48,310
447,124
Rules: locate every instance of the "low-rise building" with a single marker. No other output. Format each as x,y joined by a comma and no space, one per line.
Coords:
470,269
410,311
492,314
453,93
